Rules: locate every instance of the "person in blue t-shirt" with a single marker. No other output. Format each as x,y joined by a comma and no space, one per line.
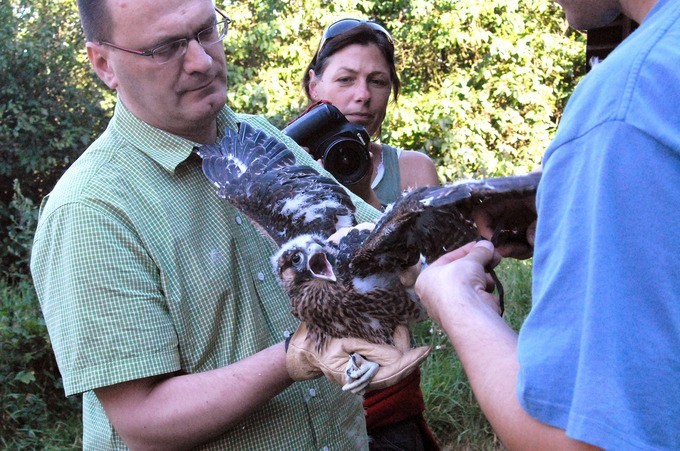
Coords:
597,361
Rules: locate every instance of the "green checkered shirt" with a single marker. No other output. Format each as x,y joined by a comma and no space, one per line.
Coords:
141,269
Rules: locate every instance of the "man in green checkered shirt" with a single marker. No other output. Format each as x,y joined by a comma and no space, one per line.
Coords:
159,296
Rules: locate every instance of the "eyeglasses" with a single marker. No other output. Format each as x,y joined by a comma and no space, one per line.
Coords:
176,49
344,25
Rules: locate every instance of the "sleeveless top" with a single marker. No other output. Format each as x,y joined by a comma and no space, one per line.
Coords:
387,183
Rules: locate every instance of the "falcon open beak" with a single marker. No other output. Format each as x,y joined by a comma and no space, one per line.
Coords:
318,264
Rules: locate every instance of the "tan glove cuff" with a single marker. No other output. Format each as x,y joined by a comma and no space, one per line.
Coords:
302,362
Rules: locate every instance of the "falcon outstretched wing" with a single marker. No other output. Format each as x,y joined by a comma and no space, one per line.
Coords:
433,220
259,176
352,288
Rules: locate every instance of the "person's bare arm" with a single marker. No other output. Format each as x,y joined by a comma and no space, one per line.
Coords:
416,170
456,290
184,410
363,189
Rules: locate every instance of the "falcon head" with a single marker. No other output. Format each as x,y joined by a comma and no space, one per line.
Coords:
301,259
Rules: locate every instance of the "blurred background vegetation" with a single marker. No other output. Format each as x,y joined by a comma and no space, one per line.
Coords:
484,85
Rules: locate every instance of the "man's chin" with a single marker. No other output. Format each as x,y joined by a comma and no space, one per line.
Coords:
208,103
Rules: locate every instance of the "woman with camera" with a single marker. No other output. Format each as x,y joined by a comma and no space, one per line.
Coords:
354,70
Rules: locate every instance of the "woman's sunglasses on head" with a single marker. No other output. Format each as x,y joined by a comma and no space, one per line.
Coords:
345,25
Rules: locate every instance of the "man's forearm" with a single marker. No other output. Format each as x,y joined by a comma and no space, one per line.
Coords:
487,348
185,410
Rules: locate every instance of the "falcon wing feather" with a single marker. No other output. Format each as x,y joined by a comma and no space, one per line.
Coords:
433,220
258,174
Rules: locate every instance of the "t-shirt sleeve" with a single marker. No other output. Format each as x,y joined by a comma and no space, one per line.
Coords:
96,281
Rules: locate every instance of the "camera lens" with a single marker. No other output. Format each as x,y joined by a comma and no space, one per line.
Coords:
347,160
327,134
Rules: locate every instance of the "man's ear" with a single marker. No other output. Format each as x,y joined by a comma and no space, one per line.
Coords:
99,58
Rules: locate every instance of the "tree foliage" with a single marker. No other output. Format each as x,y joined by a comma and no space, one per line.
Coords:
484,82
49,103
31,391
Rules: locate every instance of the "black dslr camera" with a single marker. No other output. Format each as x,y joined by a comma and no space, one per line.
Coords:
343,146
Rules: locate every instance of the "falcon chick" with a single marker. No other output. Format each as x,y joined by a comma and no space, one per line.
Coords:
341,307
350,288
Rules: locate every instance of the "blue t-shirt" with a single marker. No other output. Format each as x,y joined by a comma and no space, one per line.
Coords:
599,353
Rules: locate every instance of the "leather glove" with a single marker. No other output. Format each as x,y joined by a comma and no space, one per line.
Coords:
350,362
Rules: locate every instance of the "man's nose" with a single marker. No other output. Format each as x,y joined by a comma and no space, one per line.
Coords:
196,58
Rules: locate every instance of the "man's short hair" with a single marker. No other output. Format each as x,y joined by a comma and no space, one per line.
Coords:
95,19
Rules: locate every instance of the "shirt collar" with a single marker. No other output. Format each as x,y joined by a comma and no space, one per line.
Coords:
164,148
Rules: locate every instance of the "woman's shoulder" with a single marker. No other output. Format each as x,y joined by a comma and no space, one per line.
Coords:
417,169
416,156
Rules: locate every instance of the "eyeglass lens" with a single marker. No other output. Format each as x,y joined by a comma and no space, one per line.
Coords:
176,49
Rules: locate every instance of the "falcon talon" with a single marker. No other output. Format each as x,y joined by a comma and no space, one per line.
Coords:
499,289
352,368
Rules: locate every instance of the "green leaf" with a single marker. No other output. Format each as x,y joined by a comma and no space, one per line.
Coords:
25,377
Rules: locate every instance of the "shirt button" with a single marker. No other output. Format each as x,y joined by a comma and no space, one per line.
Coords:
312,392
286,334
325,448
239,220
260,276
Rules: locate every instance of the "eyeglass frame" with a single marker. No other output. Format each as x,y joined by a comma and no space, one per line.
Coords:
150,52
357,22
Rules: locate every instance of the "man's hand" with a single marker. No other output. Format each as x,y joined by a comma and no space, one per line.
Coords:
458,283
340,233
509,224
354,374
409,276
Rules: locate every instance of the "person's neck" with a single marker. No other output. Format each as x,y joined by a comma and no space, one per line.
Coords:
637,9
202,135
201,132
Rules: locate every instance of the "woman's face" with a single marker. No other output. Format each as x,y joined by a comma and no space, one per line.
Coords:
357,81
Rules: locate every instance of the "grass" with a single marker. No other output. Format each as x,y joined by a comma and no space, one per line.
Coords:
451,409
57,435
35,414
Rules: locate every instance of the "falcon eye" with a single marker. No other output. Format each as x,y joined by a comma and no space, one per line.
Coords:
296,258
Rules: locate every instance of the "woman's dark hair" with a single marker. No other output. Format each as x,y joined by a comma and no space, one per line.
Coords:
95,19
361,34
